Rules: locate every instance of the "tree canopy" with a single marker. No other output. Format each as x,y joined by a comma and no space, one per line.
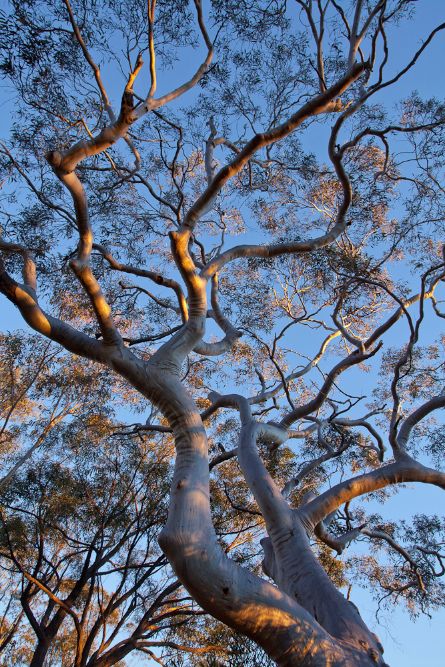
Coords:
223,223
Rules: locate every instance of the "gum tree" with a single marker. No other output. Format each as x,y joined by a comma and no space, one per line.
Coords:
122,218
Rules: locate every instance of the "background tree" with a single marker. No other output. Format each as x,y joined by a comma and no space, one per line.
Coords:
122,220
84,581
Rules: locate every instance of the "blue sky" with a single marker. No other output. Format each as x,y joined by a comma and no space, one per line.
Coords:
406,643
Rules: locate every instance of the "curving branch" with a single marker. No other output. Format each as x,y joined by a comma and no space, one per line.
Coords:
293,564
25,299
232,334
152,103
436,403
381,535
403,470
380,449
337,542
322,103
247,603
81,264
265,395
29,267
301,411
66,161
157,278
356,342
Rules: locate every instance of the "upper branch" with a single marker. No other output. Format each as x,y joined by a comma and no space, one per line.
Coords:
71,339
354,358
81,264
322,103
405,469
152,103
66,161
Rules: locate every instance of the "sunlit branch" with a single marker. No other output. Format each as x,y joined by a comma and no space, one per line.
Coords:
356,36
404,470
98,78
288,536
268,496
151,47
65,162
353,38
29,267
276,250
190,335
81,264
209,161
153,103
322,103
60,332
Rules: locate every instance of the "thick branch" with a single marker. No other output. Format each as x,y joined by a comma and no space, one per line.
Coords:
322,103
404,470
50,327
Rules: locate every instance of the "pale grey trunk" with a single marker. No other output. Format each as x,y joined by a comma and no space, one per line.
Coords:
273,618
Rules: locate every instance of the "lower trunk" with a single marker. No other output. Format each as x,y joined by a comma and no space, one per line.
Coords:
40,653
298,573
288,633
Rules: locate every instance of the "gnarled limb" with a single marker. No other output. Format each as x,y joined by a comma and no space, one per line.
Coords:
207,572
221,587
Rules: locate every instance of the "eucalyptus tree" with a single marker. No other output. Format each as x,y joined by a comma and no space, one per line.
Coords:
43,400
121,218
